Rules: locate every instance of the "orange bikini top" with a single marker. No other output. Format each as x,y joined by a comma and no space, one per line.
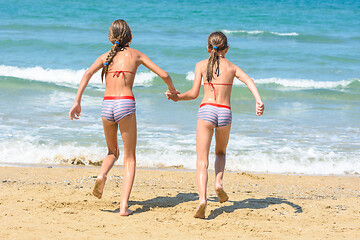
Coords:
213,87
117,73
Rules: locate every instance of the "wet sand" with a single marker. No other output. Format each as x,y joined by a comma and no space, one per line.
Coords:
57,203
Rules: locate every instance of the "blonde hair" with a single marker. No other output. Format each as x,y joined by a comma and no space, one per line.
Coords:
119,36
217,41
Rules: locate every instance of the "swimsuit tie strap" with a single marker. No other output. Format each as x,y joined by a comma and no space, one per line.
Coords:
117,73
213,87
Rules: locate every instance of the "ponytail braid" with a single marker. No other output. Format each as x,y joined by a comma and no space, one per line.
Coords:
217,41
120,36
115,48
214,57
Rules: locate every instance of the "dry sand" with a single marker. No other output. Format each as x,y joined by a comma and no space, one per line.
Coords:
56,203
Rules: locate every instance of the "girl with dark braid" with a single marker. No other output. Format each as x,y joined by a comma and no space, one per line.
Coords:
217,74
119,66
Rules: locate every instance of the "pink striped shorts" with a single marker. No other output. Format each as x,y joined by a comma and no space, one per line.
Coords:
219,115
115,108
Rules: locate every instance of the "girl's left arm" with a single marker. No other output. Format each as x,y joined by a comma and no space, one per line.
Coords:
242,76
145,60
75,111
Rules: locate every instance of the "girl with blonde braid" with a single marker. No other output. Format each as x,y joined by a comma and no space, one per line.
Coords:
119,66
217,74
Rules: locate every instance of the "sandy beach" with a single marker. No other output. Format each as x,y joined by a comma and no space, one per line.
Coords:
56,203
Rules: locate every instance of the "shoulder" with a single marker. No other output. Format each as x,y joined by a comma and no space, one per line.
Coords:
231,65
135,51
202,64
103,56
136,54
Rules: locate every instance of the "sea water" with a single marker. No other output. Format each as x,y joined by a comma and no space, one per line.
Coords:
304,57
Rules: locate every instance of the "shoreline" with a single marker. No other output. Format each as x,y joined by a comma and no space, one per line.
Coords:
172,168
56,203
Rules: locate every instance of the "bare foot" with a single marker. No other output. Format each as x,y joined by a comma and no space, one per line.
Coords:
200,211
221,194
126,213
99,187
124,210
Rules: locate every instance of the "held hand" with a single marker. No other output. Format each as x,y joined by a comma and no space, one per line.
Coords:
259,108
75,111
173,95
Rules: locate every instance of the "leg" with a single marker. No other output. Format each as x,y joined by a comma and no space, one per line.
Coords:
222,138
128,133
204,133
110,130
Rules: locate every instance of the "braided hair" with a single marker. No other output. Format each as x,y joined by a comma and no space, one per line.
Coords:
119,36
217,41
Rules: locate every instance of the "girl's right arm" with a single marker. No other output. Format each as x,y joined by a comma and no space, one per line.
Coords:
75,111
242,76
193,93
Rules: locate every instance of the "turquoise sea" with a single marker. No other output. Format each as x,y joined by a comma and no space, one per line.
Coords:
304,57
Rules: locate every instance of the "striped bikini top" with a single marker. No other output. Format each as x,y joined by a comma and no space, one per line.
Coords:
213,87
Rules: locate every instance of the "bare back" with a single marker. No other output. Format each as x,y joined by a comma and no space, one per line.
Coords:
120,77
219,89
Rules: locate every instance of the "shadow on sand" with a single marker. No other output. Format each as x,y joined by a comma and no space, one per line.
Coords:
169,202
252,203
162,202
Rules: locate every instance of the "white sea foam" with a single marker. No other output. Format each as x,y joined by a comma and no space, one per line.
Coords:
291,83
258,32
66,77
28,152
144,78
285,34
304,83
44,75
71,78
242,31
294,160
282,160
190,76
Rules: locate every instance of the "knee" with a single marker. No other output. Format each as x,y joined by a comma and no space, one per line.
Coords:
220,153
129,156
202,164
115,152
129,161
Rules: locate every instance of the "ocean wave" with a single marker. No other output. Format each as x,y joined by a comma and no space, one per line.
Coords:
32,153
190,76
305,83
295,83
303,37
65,77
295,160
281,160
71,78
259,32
